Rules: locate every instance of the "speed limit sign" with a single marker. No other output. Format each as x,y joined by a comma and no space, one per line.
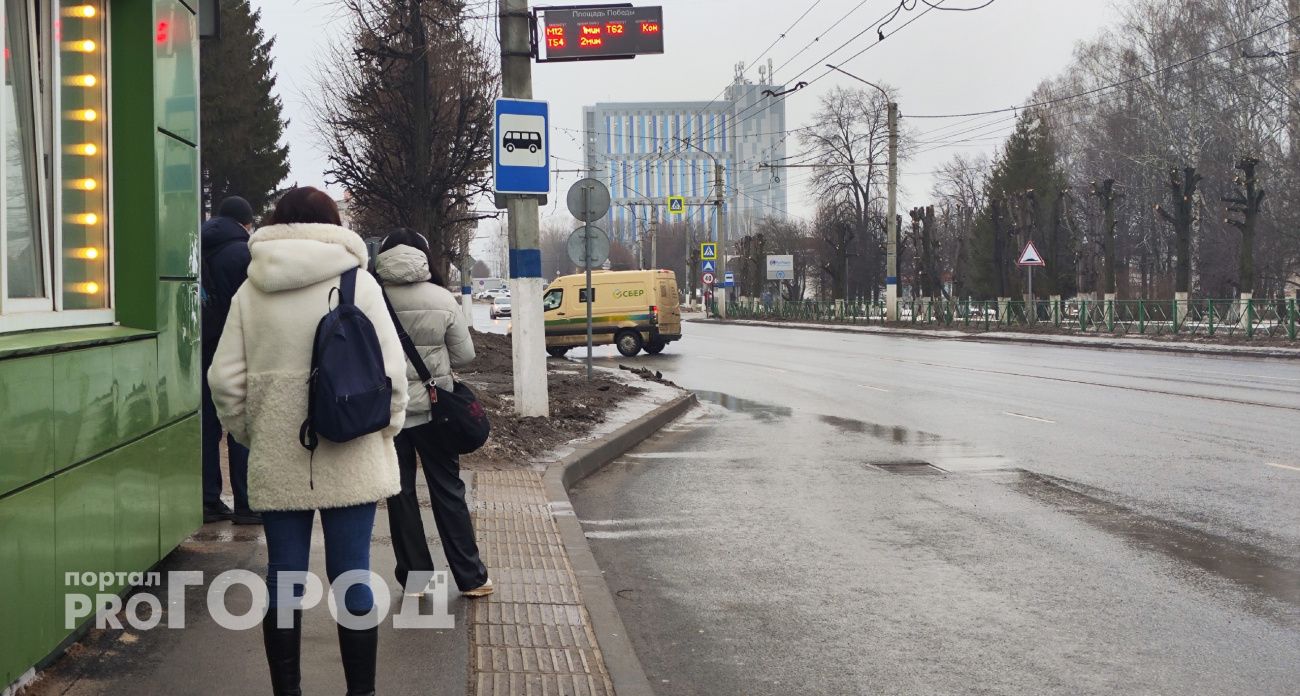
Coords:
708,278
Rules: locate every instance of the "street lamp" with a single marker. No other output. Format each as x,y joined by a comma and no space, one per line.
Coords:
891,272
722,224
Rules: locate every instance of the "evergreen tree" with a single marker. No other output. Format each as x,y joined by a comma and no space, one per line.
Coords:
241,122
1024,196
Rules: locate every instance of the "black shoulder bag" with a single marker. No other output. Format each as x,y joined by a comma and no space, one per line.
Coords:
459,418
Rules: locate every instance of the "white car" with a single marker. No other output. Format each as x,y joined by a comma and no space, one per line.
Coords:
494,293
500,307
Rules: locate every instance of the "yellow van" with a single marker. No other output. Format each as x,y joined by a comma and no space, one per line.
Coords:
635,310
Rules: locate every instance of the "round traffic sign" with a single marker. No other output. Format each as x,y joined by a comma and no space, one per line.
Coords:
708,278
588,236
597,200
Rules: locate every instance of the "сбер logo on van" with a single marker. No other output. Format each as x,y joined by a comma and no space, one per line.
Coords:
629,293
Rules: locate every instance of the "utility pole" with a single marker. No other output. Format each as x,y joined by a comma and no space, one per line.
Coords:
891,269
722,237
528,326
467,283
654,238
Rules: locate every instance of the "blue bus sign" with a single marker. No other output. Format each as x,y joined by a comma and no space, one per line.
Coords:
521,164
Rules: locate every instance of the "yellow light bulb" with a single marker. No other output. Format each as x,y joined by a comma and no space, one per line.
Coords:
81,11
89,253
84,219
81,81
86,46
83,115
84,184
91,288
83,149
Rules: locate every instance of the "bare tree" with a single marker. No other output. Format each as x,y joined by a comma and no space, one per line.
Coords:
406,115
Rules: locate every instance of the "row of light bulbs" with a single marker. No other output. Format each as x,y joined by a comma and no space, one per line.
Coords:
85,46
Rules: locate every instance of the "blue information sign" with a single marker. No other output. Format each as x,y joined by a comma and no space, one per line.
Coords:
522,163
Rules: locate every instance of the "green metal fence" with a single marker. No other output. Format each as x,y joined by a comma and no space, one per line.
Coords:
1254,318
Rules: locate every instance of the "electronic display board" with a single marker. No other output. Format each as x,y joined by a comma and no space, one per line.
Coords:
593,33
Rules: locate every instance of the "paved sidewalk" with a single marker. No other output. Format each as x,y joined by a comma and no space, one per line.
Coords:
1106,342
533,636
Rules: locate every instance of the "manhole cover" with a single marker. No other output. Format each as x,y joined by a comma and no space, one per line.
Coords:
909,468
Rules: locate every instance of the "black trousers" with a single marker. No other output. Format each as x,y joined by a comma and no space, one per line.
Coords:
450,511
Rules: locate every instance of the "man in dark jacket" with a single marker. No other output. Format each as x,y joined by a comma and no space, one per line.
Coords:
225,267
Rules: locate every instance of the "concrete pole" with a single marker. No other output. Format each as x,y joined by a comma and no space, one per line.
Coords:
654,238
719,193
891,269
528,327
467,285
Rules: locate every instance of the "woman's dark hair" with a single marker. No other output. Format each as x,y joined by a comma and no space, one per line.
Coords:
305,204
408,237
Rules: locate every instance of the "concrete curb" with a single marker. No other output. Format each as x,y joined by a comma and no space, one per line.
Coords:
1030,339
625,669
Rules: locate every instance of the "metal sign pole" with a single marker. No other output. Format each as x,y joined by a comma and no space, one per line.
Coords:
586,193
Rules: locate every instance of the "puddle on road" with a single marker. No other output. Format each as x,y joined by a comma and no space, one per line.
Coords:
761,411
936,450
1254,567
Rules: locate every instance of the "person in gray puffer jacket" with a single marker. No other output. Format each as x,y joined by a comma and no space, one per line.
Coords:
430,314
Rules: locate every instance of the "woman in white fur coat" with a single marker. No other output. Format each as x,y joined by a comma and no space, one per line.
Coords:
259,387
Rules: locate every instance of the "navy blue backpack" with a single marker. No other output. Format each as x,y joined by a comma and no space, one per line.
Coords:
348,392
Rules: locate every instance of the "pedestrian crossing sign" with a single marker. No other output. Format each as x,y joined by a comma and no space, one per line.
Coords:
709,251
677,205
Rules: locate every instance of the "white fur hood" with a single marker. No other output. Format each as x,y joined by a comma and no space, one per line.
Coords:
403,265
289,257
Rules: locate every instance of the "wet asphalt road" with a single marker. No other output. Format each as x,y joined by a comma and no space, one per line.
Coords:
873,515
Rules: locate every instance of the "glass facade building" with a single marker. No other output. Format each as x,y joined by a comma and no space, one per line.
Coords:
636,149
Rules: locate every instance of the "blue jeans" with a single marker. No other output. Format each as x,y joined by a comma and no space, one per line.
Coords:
212,457
347,547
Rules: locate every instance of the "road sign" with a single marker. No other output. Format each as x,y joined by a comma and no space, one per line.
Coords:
597,200
708,278
598,33
729,280
677,205
522,163
1030,256
578,244
709,251
780,266
708,266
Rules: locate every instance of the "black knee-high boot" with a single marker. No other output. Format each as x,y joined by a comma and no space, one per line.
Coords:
359,650
283,653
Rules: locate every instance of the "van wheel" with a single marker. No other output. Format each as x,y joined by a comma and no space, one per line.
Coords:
510,148
629,343
558,352
655,347
532,149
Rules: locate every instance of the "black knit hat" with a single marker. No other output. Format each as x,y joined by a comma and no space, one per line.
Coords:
237,209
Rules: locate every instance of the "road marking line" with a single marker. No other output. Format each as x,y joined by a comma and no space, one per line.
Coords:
1284,466
868,386
1030,418
777,369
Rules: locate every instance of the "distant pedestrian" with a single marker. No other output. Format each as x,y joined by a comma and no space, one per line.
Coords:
434,320
225,267
259,379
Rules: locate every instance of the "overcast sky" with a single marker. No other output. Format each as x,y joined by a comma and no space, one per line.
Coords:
944,62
